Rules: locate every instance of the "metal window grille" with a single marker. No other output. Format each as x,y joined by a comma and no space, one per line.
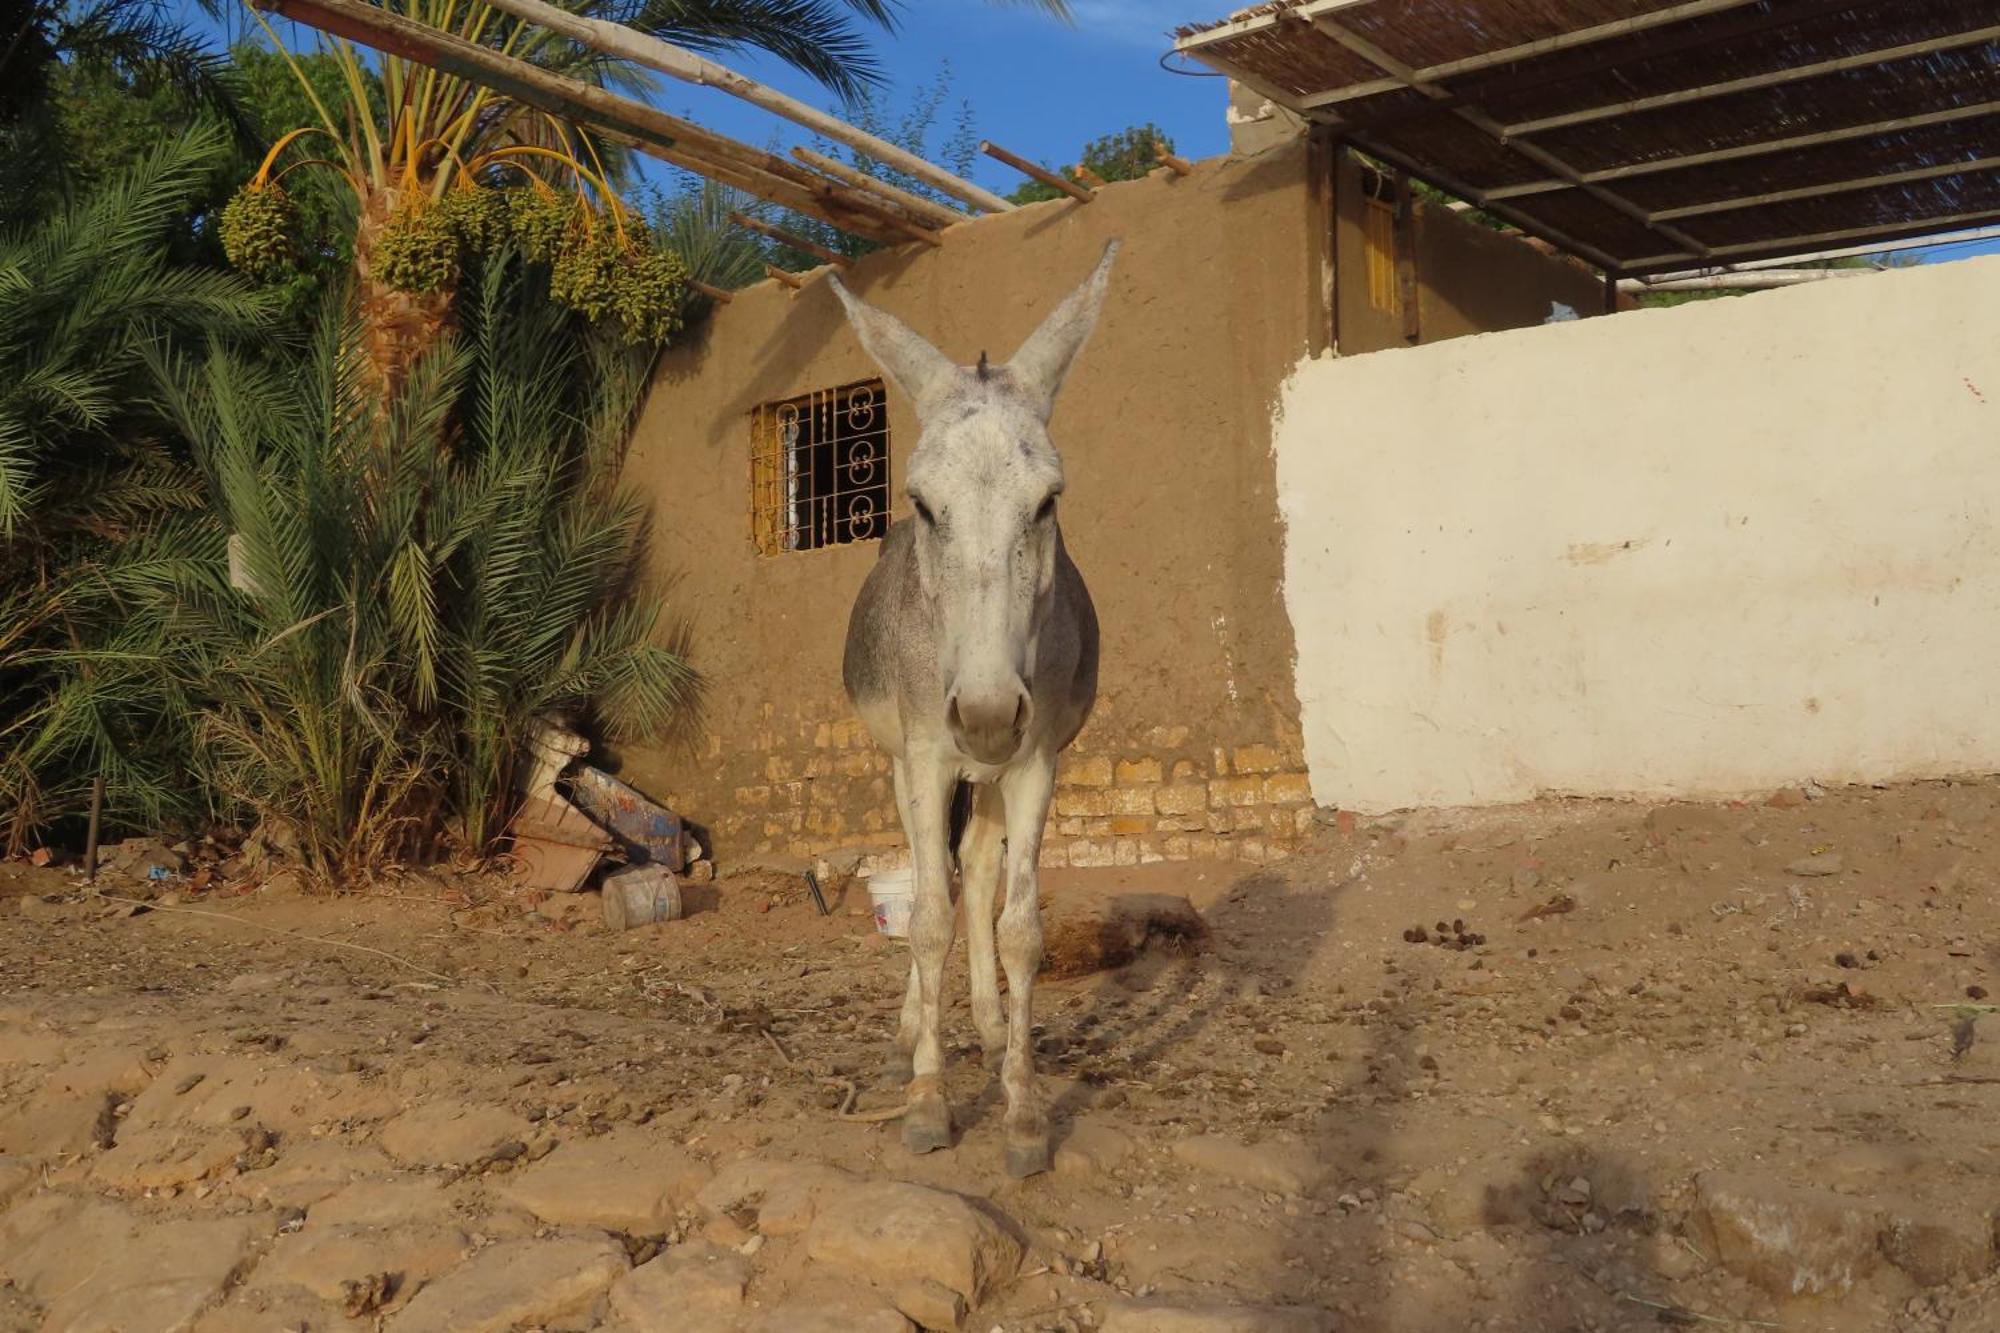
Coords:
819,469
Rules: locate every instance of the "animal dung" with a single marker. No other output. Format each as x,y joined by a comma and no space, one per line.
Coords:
1450,935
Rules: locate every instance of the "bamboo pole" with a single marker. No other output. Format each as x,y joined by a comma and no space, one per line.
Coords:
783,237
926,210
621,119
1027,168
676,62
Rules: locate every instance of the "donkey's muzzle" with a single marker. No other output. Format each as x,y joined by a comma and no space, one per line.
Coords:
988,727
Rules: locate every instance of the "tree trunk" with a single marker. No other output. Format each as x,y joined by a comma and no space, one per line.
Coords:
398,327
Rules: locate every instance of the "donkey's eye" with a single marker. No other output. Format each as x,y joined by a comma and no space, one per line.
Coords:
924,512
1047,510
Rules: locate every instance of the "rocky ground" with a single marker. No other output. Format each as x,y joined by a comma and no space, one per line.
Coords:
1573,1066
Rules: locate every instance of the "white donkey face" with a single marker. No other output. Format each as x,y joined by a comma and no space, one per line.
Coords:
983,482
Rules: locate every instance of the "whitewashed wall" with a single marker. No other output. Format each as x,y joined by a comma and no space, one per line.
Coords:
1695,551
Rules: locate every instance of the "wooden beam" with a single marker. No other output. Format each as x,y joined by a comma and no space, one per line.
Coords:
1486,125
1743,282
922,209
1750,83
1927,241
1831,187
634,123
1179,165
1087,176
1027,168
1223,32
715,294
1525,51
627,43
786,238
790,279
1787,144
1782,245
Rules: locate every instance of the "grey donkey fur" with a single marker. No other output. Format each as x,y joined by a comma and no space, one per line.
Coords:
972,657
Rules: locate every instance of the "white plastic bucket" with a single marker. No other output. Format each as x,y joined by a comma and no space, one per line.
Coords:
894,895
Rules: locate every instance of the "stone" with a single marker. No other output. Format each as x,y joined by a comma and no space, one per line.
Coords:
1092,1148
382,1203
164,1158
449,1133
1094,932
830,1310
1937,1248
1825,863
892,1232
930,1305
1161,1317
99,1267
518,1283
1791,1241
622,1181
783,1196
324,1260
692,1288
1276,1166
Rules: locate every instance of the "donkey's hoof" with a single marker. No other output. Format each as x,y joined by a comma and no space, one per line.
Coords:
927,1125
1029,1158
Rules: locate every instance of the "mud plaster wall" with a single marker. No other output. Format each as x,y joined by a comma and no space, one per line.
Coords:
1164,424
1696,551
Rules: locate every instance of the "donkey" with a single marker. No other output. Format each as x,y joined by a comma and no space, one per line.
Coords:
972,658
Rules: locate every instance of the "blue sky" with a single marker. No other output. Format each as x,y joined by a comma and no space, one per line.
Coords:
1036,85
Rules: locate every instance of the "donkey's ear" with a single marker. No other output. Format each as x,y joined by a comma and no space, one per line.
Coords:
1043,361
920,370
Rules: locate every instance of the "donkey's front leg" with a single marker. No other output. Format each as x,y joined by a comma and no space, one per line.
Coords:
929,785
1026,788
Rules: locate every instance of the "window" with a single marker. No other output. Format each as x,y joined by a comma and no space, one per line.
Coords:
819,469
1378,230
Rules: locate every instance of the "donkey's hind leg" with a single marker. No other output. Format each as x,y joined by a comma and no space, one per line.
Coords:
979,864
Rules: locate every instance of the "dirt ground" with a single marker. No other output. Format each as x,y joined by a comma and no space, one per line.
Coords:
1735,1074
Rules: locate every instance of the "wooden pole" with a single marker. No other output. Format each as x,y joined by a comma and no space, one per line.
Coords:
1181,166
790,279
90,835
1087,176
617,40
925,210
783,237
1027,168
715,294
1610,292
621,119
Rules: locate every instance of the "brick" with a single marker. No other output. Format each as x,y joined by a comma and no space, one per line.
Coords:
1222,821
1085,853
1204,847
1185,798
1258,759
1056,857
823,793
1221,763
822,736
1125,852
755,798
779,769
1127,825
872,821
1133,772
1132,800
1288,788
1094,772
1069,828
1175,847
1072,801
1150,852
1184,769
1097,828
1254,850
1303,819
818,766
1235,792
858,764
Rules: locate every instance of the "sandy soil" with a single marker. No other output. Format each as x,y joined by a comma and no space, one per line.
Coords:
1738,1072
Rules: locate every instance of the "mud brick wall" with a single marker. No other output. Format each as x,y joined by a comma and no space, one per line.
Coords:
810,786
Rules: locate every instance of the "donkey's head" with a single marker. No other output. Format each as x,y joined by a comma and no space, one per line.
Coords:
984,481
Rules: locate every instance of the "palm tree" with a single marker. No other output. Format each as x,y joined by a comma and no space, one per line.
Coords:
84,296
